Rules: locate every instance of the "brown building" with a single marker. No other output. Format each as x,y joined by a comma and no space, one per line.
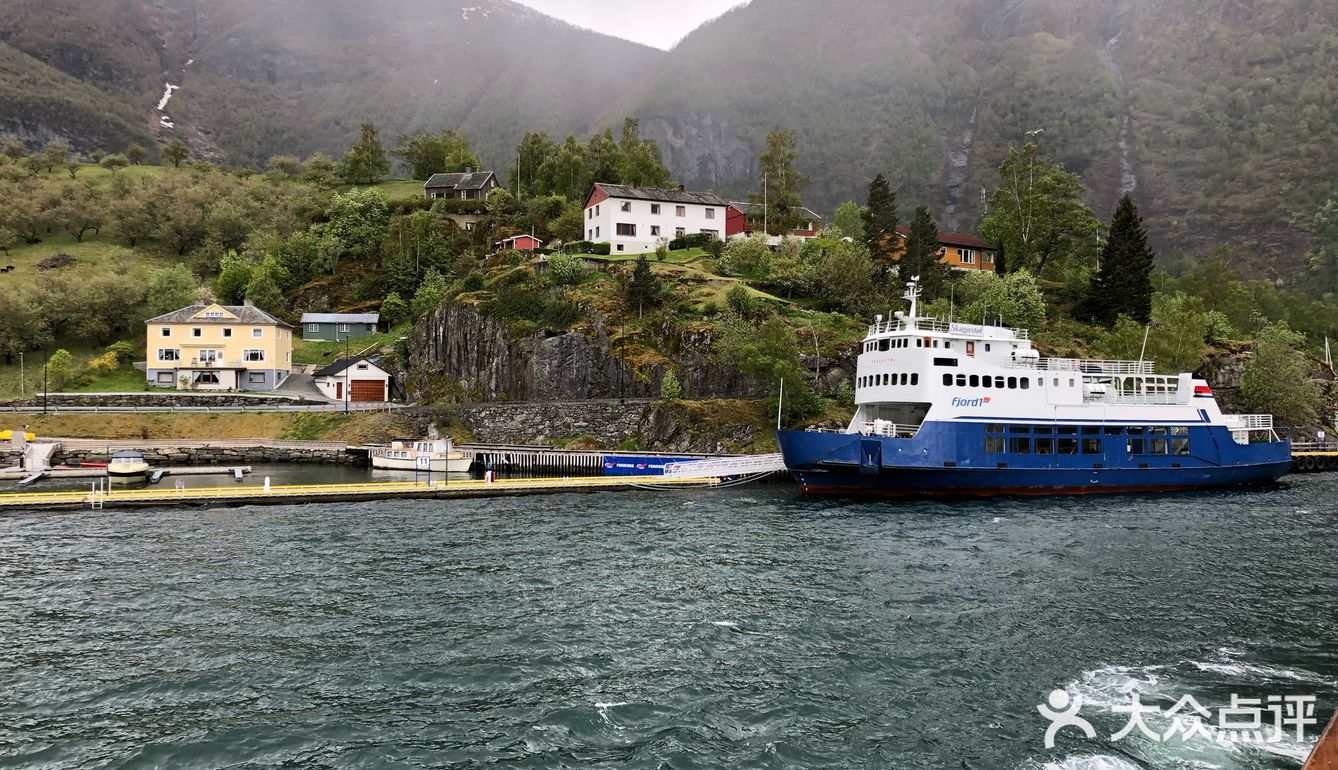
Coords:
469,185
956,250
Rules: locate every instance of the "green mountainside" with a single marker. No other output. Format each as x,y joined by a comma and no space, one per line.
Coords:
1219,115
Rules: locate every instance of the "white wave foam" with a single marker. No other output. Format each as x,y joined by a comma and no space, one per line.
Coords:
1257,671
1111,685
725,623
1090,762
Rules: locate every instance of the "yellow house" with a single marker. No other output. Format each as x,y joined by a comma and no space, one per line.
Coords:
956,250
218,347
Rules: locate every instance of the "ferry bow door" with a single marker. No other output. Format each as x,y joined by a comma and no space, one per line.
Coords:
870,455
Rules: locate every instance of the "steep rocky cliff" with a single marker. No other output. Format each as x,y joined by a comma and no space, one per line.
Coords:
458,353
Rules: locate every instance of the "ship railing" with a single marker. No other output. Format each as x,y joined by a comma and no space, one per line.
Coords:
889,429
1089,366
1243,426
935,325
1119,397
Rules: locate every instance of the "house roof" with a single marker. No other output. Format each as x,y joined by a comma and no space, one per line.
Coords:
755,209
661,194
954,239
341,318
340,364
240,314
459,180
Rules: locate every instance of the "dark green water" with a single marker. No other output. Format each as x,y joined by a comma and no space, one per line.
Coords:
736,628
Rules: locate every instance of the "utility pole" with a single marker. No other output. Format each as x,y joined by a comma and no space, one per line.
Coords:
1326,342
45,358
347,365
765,230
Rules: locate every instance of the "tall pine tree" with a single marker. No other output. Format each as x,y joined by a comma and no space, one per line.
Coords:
880,219
921,255
1123,285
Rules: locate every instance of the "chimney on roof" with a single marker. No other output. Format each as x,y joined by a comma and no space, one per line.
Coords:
248,303
681,188
469,169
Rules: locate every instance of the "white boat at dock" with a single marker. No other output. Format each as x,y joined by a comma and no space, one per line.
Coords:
437,456
127,465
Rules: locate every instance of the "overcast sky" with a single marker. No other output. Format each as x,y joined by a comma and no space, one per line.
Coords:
659,23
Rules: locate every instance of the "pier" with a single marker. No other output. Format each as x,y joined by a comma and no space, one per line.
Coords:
157,497
1314,457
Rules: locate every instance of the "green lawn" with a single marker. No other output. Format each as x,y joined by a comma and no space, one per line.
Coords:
96,256
392,189
124,379
682,256
305,352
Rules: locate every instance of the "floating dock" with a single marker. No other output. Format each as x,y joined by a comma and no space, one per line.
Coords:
158,497
1306,461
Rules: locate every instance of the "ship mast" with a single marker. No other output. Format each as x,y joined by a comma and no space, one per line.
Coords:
912,294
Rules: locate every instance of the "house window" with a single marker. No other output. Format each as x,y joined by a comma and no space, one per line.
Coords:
967,256
196,332
469,227
654,208
257,333
987,257
166,378
167,331
715,234
620,247
206,378
680,211
626,229
227,331
213,314
710,213
207,356
253,355
362,367
256,378
169,354
464,195
313,328
596,232
679,232
589,213
627,206
596,209
655,230
589,235
343,327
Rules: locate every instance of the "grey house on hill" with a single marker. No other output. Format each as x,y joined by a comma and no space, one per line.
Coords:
469,185
338,326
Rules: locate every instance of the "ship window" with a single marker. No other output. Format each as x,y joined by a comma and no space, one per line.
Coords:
1025,382
994,445
1019,429
987,347
1019,446
1179,446
999,382
1157,431
918,342
945,362
1012,383
883,344
1158,446
1136,446
935,343
904,378
986,382
1068,446
1070,382
885,379
1045,446
1091,446
961,380
947,379
947,344
1066,430
915,378
994,427
1114,430
975,380
1180,430
1045,430
1091,430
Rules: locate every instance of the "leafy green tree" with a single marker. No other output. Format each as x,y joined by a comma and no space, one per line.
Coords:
429,154
135,154
233,279
739,300
567,172
1277,380
14,148
644,289
366,161
846,277
176,152
532,153
114,163
54,155
845,394
394,309
787,271
170,288
1037,214
769,353
746,256
60,369
266,287
1323,257
319,169
1123,285
79,211
358,220
783,182
73,167
566,270
569,225
284,165
430,293
7,239
879,219
639,161
1014,299
848,219
921,255
670,390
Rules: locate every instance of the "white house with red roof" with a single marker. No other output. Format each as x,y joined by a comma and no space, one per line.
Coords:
635,220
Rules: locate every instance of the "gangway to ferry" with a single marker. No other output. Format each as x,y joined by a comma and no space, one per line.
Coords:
721,467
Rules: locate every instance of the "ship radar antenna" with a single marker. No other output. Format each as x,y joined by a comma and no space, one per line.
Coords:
912,294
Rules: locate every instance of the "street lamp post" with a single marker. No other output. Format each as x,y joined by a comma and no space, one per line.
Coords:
347,366
45,358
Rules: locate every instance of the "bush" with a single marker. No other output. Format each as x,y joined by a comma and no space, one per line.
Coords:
123,351
474,282
693,241
845,394
739,300
670,390
60,369
580,247
521,303
566,270
403,206
601,249
104,364
661,251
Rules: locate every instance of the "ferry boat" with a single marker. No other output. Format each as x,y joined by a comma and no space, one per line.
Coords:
127,465
437,456
949,409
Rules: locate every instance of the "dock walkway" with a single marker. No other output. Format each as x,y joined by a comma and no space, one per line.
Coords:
312,493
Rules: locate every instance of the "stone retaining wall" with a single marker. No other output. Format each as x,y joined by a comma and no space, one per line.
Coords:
153,400
217,456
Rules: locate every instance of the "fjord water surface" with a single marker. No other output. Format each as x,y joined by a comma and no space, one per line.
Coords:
732,628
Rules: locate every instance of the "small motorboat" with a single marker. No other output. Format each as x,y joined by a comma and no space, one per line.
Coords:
439,456
127,465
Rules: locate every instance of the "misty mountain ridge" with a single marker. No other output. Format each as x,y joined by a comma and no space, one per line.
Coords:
1219,116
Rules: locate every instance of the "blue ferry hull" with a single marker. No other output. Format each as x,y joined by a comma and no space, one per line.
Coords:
949,459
